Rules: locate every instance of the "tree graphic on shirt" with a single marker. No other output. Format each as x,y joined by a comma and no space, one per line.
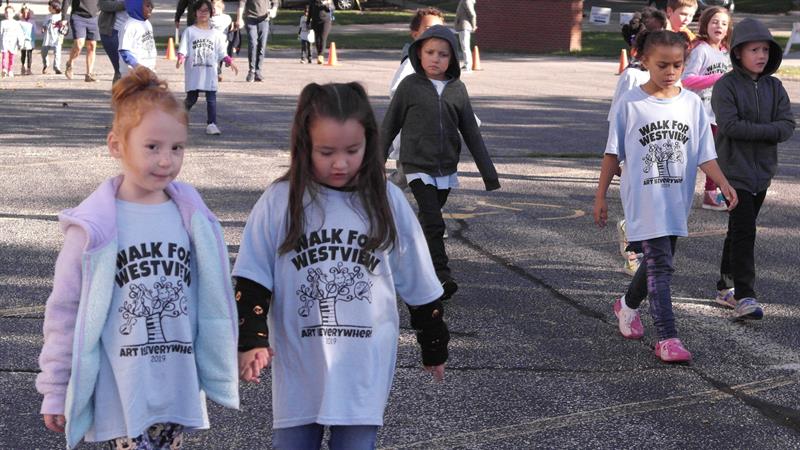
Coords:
164,300
661,156
340,285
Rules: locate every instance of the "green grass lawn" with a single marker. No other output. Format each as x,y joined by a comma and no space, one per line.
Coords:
292,17
369,41
763,6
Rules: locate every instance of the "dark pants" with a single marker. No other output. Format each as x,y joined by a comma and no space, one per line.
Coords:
111,46
321,31
27,57
430,202
653,279
738,269
305,49
257,33
211,103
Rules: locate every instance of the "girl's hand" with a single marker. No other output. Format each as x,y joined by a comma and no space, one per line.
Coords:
233,67
600,211
730,194
55,422
252,362
178,64
437,372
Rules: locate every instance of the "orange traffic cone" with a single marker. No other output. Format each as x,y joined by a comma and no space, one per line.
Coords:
332,59
623,61
171,50
476,59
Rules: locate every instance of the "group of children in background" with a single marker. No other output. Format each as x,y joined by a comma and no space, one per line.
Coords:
142,286
726,122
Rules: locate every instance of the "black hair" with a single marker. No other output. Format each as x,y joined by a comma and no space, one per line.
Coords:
199,3
646,40
56,5
339,101
639,22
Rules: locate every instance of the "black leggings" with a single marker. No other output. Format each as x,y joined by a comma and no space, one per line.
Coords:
27,57
211,103
430,202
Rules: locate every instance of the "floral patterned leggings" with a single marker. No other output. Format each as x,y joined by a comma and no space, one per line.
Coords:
161,436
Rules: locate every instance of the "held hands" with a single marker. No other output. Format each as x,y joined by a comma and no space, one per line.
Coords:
436,371
252,362
55,422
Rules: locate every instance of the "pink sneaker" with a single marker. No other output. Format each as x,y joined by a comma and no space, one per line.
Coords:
672,350
630,325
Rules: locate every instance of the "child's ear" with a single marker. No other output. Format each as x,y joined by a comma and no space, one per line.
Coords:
114,145
669,11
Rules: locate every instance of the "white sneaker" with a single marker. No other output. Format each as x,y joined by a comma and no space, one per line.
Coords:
212,129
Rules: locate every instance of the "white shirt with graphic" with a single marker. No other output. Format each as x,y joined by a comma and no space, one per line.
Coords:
147,371
333,320
137,38
661,142
203,49
628,79
706,60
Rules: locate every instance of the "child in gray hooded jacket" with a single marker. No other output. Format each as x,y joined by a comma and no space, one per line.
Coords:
754,114
432,106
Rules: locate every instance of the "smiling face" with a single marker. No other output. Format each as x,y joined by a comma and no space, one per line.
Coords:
337,150
151,156
665,64
754,57
434,55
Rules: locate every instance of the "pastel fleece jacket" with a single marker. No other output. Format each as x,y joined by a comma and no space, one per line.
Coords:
430,142
78,306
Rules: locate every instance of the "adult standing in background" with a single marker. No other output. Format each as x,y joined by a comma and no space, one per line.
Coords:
254,15
320,13
112,18
466,23
83,23
179,10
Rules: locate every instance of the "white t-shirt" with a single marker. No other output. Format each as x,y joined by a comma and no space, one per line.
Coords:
11,37
137,38
120,17
706,60
333,319
661,142
147,368
221,23
204,49
628,79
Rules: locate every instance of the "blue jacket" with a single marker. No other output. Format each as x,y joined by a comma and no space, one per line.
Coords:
78,307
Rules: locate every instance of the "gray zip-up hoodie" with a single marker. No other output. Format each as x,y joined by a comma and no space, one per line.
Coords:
430,142
753,115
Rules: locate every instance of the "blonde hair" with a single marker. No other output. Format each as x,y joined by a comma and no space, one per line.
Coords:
138,93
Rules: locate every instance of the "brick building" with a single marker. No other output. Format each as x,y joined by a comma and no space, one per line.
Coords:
529,25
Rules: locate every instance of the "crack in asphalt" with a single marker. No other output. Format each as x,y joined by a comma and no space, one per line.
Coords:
781,415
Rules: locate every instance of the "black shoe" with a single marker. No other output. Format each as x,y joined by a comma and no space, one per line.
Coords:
450,287
258,77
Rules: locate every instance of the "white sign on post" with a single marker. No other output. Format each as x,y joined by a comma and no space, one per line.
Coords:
601,16
625,18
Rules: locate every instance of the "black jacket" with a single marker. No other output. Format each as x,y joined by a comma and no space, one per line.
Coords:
430,141
753,115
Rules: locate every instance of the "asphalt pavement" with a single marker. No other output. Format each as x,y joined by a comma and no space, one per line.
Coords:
536,359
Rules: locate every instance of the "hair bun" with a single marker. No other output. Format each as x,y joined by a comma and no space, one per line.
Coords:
139,79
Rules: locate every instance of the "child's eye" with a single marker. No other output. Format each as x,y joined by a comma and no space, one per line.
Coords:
177,148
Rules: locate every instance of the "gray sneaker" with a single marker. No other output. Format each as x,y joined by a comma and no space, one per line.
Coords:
748,308
250,77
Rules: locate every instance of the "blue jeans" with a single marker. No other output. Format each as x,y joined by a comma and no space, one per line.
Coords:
111,46
211,103
56,49
257,33
653,279
309,437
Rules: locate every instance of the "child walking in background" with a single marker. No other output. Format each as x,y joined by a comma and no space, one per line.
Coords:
11,40
221,23
141,325
202,48
680,14
52,37
431,107
708,61
324,254
423,19
754,114
29,38
662,134
306,36
649,19
137,46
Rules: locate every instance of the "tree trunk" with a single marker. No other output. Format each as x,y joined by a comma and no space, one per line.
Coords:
327,309
155,334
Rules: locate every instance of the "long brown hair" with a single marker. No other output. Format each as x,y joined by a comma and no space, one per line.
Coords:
705,19
340,102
